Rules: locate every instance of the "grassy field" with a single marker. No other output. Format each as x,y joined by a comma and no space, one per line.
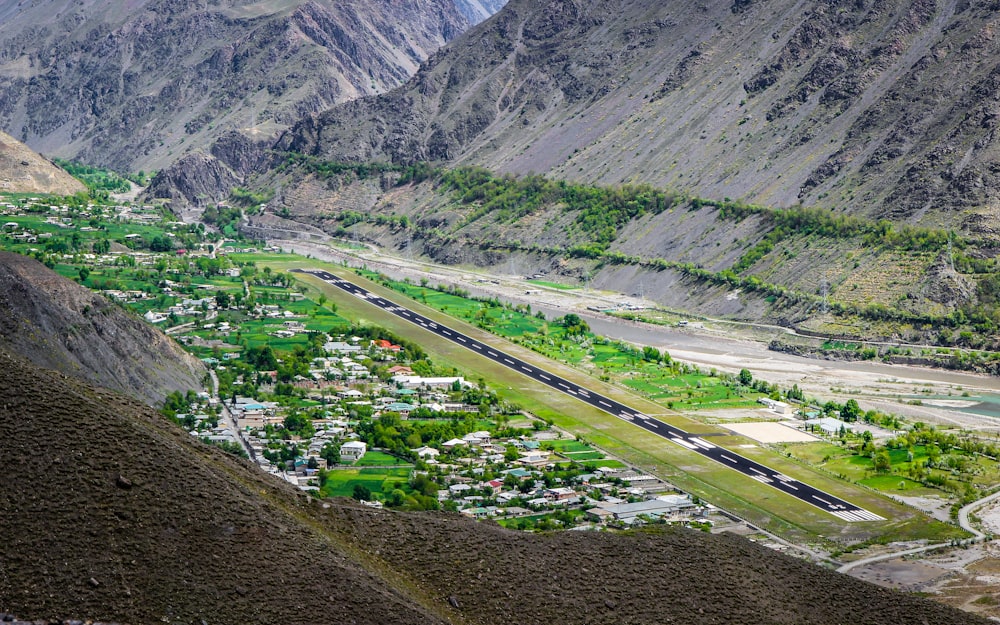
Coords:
341,482
376,458
692,472
569,446
553,285
583,456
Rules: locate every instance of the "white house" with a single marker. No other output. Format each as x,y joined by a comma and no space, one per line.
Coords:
426,452
352,451
777,406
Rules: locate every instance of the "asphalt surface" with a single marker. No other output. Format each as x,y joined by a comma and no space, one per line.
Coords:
763,474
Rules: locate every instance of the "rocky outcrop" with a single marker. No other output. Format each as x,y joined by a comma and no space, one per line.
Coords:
61,325
195,180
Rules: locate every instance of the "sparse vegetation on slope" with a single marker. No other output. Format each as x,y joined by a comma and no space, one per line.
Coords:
499,213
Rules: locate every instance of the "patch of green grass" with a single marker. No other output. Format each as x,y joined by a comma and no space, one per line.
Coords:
583,456
341,482
553,285
378,459
898,484
569,445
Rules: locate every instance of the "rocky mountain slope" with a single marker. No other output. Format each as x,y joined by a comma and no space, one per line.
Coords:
478,10
137,88
22,170
876,110
61,325
880,108
112,513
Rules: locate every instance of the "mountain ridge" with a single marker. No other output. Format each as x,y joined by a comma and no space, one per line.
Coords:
848,106
138,89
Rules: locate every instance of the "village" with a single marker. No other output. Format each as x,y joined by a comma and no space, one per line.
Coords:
347,410
432,442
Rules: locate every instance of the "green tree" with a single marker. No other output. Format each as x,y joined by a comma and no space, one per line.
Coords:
222,299
746,378
574,324
84,274
396,498
101,246
330,453
851,411
361,493
424,485
510,455
882,461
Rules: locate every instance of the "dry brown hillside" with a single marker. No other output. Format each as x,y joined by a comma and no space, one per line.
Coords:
61,325
24,171
112,513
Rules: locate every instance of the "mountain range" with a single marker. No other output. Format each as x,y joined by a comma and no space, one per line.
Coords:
882,109
138,88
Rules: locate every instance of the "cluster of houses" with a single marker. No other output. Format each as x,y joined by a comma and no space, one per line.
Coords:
515,486
612,496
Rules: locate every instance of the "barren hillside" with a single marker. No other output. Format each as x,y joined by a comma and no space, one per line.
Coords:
24,171
881,108
61,325
138,88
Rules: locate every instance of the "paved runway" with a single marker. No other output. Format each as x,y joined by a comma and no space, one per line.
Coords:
761,473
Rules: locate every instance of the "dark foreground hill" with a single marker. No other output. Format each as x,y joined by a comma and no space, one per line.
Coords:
61,325
112,513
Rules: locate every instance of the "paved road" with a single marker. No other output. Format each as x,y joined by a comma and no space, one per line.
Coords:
770,477
231,419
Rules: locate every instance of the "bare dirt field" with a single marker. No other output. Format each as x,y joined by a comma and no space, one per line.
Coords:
771,432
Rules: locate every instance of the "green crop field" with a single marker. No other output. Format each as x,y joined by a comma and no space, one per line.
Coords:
899,485
376,458
341,482
569,446
583,456
553,285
